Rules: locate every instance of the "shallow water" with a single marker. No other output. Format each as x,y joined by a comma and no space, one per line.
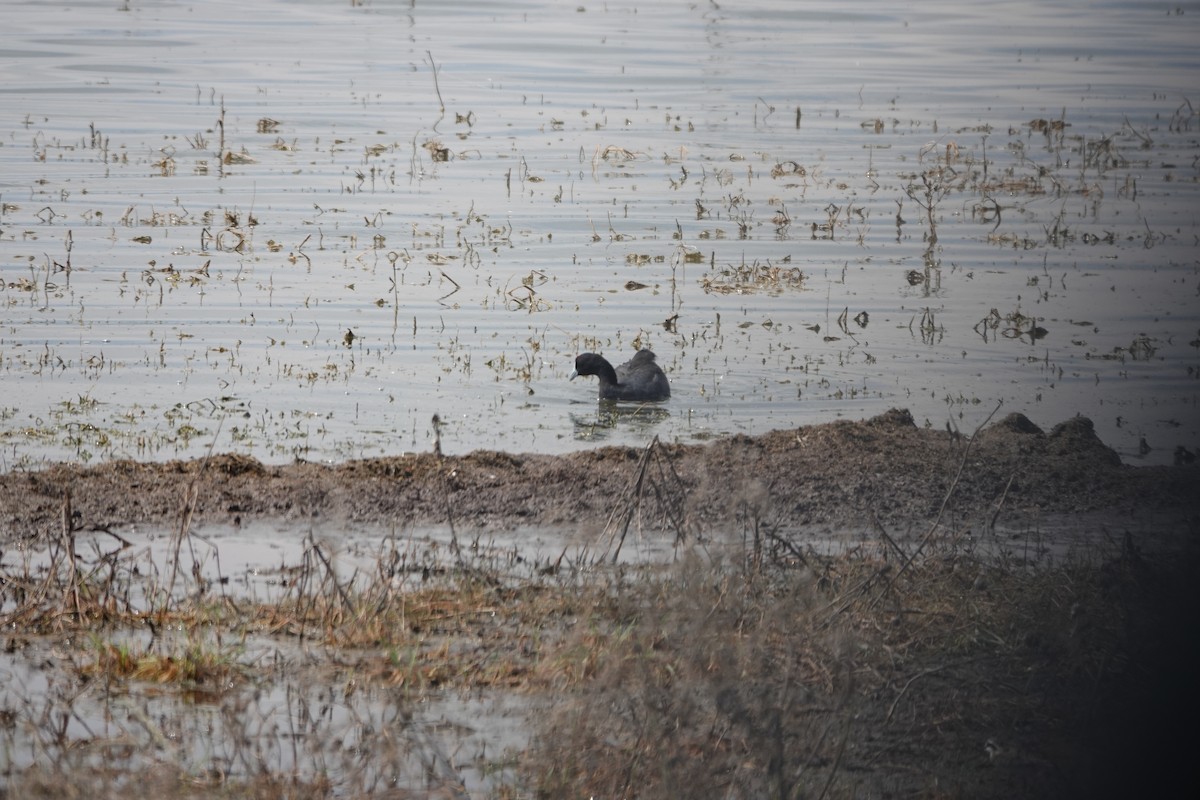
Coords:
253,227
308,711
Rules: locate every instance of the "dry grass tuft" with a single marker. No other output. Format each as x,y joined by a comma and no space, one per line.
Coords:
832,680
194,665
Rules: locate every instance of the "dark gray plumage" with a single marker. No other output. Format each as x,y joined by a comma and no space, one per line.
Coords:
637,379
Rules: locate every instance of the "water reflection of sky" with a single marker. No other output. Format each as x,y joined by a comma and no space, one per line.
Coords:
591,146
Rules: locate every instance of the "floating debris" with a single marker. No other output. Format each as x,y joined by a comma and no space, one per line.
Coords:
755,277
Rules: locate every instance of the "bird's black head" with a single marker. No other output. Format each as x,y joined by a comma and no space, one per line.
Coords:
589,364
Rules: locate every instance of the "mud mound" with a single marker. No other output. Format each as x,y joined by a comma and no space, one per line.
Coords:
843,473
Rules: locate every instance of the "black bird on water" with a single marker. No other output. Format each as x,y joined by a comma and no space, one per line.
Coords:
637,379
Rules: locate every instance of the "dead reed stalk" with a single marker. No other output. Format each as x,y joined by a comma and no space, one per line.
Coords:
668,489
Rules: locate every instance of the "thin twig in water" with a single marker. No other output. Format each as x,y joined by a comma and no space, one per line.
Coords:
437,451
771,533
888,539
68,547
185,518
441,105
316,548
670,502
634,495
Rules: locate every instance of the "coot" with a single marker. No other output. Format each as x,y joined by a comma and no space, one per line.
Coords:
637,379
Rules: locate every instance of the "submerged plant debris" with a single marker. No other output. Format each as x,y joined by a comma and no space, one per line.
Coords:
746,278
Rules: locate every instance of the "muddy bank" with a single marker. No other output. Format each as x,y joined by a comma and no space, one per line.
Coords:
782,671
836,474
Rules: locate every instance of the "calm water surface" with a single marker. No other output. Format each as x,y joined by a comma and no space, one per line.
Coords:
302,229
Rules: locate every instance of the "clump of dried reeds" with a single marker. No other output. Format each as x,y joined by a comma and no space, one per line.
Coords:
754,277
801,682
193,664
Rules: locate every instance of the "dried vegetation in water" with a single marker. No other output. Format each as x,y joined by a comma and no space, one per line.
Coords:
946,659
755,277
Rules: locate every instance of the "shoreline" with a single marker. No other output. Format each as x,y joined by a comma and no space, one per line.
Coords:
880,471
